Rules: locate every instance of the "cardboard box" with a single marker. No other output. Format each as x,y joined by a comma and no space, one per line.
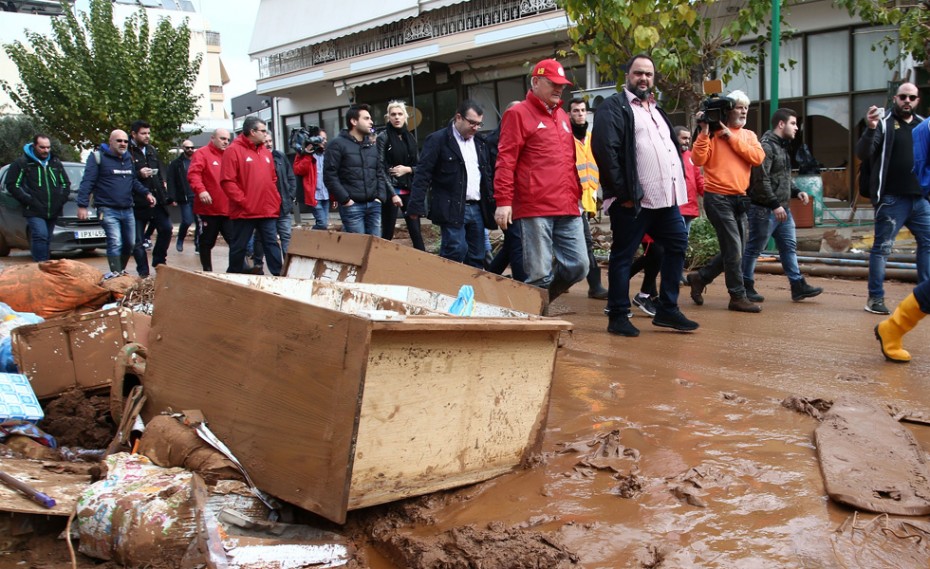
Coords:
332,410
353,257
76,351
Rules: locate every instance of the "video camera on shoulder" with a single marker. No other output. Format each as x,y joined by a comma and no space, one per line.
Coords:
306,140
714,106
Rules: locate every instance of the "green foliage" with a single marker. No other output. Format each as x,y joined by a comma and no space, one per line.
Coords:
17,131
89,77
911,22
690,40
702,243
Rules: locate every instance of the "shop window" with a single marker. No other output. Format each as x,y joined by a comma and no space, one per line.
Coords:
828,64
827,126
790,77
869,68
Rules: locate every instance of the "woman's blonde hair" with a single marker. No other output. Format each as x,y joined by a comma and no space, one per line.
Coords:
398,105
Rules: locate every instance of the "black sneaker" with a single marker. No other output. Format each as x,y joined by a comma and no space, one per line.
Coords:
801,290
675,320
621,326
876,305
645,304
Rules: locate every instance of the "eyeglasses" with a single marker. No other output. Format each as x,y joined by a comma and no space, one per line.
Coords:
123,140
187,147
911,98
476,124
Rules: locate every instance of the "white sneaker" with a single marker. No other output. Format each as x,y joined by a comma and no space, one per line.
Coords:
110,275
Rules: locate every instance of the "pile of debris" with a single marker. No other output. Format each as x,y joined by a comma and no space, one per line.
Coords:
200,434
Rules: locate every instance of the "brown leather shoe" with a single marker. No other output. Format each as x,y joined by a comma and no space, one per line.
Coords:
743,304
697,287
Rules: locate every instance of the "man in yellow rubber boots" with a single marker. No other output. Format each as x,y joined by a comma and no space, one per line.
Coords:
905,317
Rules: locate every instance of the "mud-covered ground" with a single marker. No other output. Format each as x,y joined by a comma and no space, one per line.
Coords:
671,450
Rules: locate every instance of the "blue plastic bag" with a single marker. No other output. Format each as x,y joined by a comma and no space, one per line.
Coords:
465,303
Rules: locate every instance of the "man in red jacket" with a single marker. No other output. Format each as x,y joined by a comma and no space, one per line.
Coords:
247,175
210,203
536,183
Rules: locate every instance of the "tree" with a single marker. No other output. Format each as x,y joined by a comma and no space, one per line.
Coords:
16,131
88,77
911,21
690,40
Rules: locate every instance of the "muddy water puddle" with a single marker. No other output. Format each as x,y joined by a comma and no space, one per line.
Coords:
702,466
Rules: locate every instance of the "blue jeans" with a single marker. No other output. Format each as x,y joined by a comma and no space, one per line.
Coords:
727,214
554,252
762,226
667,228
922,294
266,230
892,213
119,224
321,215
284,232
361,218
187,219
465,243
40,236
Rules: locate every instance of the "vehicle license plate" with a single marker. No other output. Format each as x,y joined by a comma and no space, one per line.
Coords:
89,233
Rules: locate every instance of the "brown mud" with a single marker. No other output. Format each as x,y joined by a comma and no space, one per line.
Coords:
695,461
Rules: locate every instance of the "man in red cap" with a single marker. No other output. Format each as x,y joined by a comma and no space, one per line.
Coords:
536,183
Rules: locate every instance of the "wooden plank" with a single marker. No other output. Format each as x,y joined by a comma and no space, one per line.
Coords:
51,478
467,323
870,461
446,408
278,380
385,262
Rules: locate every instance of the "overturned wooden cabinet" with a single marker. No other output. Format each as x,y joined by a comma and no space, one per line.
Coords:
333,410
353,257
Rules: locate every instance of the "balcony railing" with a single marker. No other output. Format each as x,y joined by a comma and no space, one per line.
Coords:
467,16
213,38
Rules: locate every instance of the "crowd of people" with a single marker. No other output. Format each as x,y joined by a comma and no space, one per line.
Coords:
536,177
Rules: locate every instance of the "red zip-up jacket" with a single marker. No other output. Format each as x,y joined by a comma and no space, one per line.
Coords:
305,167
204,176
248,177
694,180
535,172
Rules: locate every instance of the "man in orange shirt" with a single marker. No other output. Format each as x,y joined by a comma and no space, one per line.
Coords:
727,156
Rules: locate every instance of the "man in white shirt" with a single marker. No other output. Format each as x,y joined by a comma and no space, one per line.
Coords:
455,164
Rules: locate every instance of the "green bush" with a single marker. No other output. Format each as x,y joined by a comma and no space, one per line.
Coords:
702,243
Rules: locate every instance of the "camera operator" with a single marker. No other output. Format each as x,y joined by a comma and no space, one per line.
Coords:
308,164
727,156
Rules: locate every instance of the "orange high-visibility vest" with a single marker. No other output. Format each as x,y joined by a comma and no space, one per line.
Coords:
587,173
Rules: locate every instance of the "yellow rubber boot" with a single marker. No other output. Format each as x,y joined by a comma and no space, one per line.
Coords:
890,332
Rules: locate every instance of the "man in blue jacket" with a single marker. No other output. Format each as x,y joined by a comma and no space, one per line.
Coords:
109,175
455,164
38,181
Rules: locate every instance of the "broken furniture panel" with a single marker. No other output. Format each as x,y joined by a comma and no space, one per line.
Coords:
353,257
331,410
76,351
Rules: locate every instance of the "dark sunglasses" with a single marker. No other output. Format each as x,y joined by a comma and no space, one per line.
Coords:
122,140
187,147
911,98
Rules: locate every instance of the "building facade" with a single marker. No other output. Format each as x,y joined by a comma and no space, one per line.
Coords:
433,54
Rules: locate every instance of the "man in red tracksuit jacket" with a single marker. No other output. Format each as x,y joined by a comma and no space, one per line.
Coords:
210,203
248,178
536,183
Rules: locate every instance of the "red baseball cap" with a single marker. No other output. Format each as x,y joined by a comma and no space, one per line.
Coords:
551,70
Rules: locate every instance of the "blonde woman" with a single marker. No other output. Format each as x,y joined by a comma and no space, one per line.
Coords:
398,150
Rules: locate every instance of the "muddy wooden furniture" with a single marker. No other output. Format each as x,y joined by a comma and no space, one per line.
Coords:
332,410
76,351
352,257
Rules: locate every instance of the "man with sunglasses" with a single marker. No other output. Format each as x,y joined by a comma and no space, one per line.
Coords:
109,175
536,183
886,176
455,169
180,189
